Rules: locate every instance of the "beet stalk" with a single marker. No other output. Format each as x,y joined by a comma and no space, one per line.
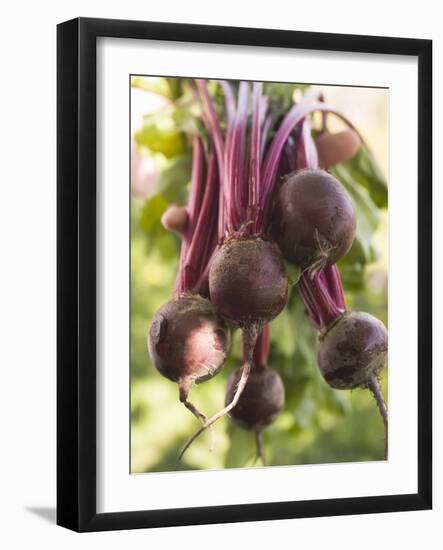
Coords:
315,219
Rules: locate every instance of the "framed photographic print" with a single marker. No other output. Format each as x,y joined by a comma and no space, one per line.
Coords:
244,274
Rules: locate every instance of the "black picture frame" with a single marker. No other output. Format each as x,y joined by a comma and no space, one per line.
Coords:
76,278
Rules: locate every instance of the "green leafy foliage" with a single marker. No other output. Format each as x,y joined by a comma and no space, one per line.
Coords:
172,181
365,172
318,424
167,87
283,95
366,185
160,134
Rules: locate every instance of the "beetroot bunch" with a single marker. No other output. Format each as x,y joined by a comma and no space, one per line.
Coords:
315,226
258,199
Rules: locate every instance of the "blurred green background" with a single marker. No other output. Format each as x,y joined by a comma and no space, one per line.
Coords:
318,424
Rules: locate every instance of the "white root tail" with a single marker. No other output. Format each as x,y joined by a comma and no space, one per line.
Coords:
259,454
183,395
250,337
374,387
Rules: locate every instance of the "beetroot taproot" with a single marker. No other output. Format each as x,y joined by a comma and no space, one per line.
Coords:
352,350
314,220
248,282
188,342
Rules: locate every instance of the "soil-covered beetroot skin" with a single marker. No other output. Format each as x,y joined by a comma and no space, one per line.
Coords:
354,348
187,340
261,401
314,219
247,281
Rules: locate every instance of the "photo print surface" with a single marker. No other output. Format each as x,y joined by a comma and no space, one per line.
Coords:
259,274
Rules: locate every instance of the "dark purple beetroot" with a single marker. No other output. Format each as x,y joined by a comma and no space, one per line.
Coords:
314,219
188,341
248,282
353,351
261,401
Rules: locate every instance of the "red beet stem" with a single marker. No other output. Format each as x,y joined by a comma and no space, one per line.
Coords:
322,294
213,126
272,159
322,309
239,155
307,156
204,238
235,161
197,188
291,154
261,350
195,198
230,103
333,281
232,154
309,303
254,157
311,102
201,236
267,125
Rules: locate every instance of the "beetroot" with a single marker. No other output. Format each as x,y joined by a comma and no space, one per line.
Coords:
314,219
263,397
353,346
188,341
261,401
248,282
352,350
352,353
